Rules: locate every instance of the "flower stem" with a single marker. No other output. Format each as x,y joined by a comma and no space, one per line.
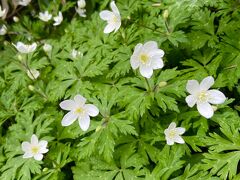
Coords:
148,85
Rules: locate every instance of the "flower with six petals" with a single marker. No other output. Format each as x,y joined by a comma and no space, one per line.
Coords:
147,57
35,148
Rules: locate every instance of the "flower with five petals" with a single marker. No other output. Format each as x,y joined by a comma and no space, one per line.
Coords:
203,97
113,18
78,110
172,134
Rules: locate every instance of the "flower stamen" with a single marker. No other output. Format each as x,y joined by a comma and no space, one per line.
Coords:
144,58
79,110
172,134
203,96
35,149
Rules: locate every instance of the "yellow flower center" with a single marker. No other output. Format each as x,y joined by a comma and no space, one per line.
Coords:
114,19
144,58
203,96
172,133
35,149
79,110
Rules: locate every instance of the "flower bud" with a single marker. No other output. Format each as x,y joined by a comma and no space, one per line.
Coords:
162,84
20,58
165,14
5,43
15,19
31,87
98,128
45,169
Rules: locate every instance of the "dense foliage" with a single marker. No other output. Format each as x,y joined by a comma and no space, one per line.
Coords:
126,140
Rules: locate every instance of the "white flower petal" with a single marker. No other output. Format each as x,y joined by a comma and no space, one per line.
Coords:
137,49
150,46
146,71
106,15
43,143
109,28
38,157
32,47
68,105
216,97
80,100
26,146
21,47
192,87
69,118
172,126
169,141
156,52
205,109
191,100
206,83
134,61
34,140
114,8
180,130
43,150
117,26
156,62
91,110
27,155
84,122
179,139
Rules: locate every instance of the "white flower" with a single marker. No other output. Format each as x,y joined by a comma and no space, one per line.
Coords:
35,148
3,30
58,19
172,134
80,9
47,47
78,110
45,16
23,48
202,96
24,2
2,12
113,18
33,74
81,4
75,53
147,57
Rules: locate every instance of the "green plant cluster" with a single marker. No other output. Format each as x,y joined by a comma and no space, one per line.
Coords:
126,140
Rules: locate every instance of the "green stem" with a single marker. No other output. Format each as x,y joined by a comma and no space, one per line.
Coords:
148,85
